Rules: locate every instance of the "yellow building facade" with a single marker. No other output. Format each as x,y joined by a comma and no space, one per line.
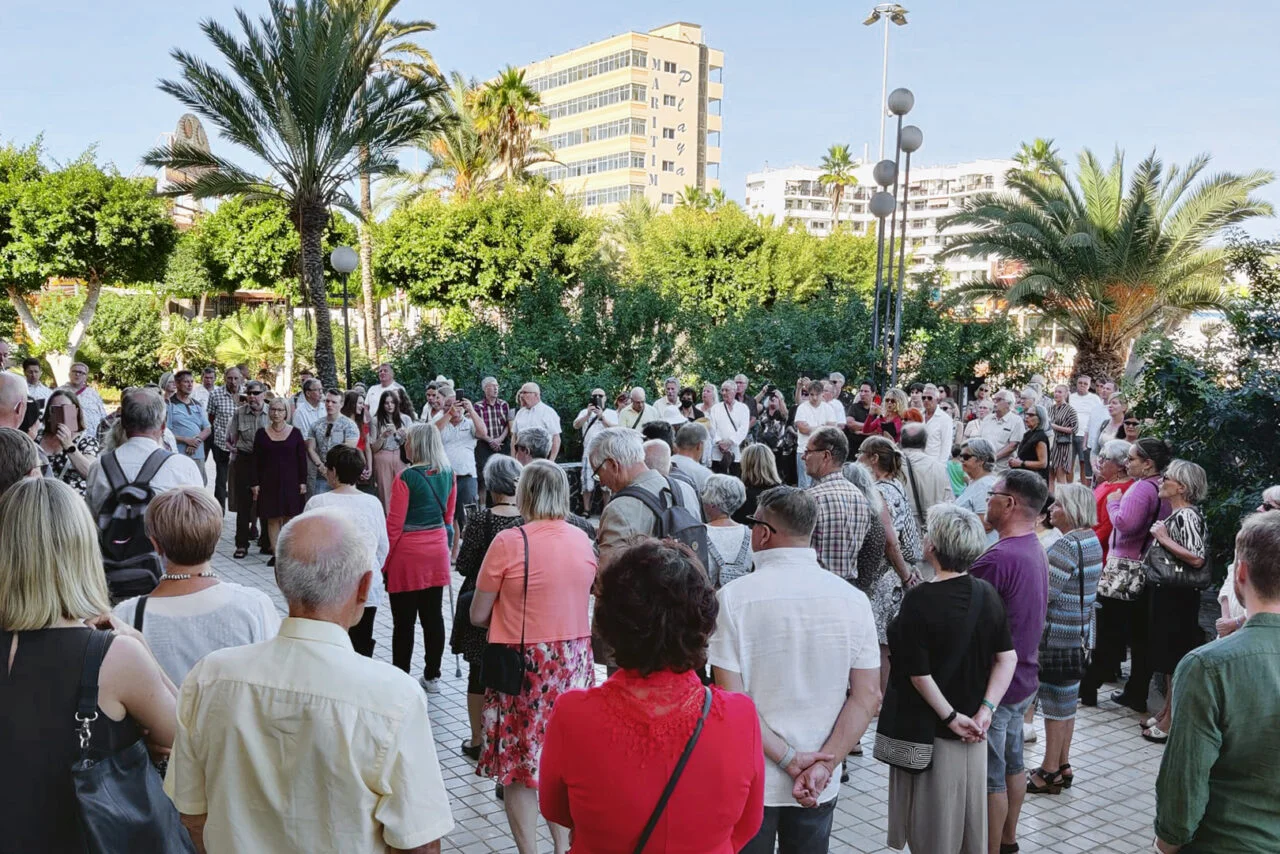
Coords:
634,114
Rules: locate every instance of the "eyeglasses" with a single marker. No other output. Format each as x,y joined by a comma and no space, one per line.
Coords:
928,397
1131,423
807,451
965,456
753,521
1008,495
1268,507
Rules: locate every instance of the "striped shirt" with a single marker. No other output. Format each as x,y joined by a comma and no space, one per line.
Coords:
1076,552
844,517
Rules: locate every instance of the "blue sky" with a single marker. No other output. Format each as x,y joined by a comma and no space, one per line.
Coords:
1184,76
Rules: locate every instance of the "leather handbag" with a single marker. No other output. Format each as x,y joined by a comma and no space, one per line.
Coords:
652,823
1164,569
1065,666
121,799
502,668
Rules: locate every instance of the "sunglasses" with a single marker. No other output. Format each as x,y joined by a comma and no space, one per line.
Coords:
753,521
1268,507
254,393
1131,423
965,456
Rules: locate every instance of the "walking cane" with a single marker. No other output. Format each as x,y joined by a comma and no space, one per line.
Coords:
457,663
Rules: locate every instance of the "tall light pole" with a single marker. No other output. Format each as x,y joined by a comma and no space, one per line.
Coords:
890,12
910,139
344,260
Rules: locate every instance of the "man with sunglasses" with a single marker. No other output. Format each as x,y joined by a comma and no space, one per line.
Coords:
939,426
248,419
1017,568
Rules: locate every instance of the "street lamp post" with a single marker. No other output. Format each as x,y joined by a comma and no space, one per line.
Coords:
890,12
899,103
881,205
344,260
910,138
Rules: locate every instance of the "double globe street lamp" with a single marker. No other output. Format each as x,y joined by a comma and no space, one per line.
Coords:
344,260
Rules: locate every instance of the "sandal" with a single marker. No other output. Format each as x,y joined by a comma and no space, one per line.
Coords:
1052,782
1009,848
1066,777
240,554
1155,735
471,751
1149,722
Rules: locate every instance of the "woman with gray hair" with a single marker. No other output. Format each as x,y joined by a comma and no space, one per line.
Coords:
728,543
953,659
1075,564
533,595
978,460
501,475
1032,452
417,569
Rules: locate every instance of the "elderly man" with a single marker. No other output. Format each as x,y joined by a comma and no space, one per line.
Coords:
617,458
142,413
386,382
594,418
1017,568
188,421
669,406
637,412
310,406
36,390
1217,785
803,645
1090,410
939,426
1003,428
6,354
90,401
298,743
534,413
844,516
13,400
223,402
691,441
245,424
18,457
928,482
496,416
729,420
741,382
657,456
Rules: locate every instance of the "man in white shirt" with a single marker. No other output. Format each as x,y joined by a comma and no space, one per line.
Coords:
802,643
310,407
1090,410
386,382
638,413
811,414
298,743
1003,428
835,409
592,420
36,390
730,420
90,401
668,407
691,440
938,425
928,482
143,414
208,381
534,413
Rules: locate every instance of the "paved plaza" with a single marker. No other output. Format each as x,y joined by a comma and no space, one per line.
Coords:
1109,808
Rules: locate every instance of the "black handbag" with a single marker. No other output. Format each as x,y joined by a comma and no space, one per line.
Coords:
1067,666
907,724
652,823
502,668
1165,569
121,798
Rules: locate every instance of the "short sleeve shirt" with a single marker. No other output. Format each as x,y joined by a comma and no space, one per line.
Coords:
343,430
459,442
540,415
188,420
1019,571
562,569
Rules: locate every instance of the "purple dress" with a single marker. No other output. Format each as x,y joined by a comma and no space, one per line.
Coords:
279,470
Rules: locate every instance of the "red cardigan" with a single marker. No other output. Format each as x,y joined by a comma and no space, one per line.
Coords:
607,757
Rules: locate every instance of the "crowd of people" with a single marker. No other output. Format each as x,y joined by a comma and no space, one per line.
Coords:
765,579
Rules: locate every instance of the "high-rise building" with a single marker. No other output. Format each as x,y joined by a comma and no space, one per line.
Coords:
795,193
634,114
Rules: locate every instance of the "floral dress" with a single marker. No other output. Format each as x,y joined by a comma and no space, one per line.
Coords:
1061,451
888,590
65,470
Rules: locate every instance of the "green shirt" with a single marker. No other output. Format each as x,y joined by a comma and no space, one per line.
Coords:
1219,784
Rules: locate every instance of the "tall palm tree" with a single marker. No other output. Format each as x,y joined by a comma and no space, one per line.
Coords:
1039,156
461,160
837,173
297,96
398,55
507,112
1103,259
693,197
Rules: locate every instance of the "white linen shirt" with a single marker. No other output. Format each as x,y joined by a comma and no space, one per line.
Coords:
815,417
729,426
301,744
305,415
540,415
670,412
179,470
941,433
1090,410
459,442
607,418
371,521
794,631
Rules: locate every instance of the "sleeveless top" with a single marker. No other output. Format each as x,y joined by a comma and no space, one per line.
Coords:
38,743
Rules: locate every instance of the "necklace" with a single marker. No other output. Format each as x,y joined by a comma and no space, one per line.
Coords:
183,576
504,504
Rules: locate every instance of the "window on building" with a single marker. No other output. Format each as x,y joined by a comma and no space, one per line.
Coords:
668,133
668,100
669,67
668,166
668,198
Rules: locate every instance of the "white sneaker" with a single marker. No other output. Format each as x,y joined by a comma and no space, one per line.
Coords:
1028,733
431,686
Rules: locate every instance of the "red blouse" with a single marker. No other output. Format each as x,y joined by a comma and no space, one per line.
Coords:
609,751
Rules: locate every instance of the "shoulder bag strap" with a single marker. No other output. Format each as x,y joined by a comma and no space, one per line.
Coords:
675,775
915,490
524,610
87,695
1084,622
138,611
432,490
728,413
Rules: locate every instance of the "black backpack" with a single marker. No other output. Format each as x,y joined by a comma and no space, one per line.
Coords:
675,521
132,566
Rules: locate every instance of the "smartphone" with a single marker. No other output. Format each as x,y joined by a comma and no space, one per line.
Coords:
57,416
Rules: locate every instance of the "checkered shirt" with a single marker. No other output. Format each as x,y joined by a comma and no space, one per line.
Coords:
222,405
844,517
495,415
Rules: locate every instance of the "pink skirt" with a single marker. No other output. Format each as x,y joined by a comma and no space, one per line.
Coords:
419,560
386,468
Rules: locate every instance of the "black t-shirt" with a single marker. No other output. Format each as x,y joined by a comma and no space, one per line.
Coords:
926,632
753,405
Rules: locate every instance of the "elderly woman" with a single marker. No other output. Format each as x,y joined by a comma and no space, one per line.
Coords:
1174,612
973,428
1063,421
501,474
728,542
978,459
1075,562
69,447
871,562
1234,615
1112,476
279,473
953,660
656,611
1032,452
533,593
192,612
417,568
53,599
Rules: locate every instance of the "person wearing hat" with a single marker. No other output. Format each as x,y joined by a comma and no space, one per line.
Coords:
249,418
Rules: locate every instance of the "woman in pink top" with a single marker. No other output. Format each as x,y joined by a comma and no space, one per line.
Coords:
550,624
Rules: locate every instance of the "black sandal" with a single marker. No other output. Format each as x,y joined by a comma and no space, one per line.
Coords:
240,554
1010,848
1065,777
1052,783
471,751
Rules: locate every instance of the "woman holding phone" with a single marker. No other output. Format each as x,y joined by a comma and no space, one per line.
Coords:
70,448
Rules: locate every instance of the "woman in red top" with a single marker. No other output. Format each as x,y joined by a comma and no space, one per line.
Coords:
656,609
886,419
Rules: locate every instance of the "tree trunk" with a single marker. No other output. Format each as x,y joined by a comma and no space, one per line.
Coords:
372,332
1097,361
835,208
61,362
289,355
314,220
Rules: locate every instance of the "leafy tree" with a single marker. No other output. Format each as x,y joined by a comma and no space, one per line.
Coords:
694,197
189,344
121,346
78,222
837,174
297,96
507,111
255,338
1105,262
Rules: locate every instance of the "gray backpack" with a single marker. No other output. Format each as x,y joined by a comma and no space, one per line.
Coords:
674,520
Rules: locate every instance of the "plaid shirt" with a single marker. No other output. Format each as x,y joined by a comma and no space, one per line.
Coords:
496,416
222,405
844,517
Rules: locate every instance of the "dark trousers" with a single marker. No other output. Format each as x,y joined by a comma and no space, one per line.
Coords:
726,465
247,512
361,633
1139,684
798,830
483,452
222,462
408,609
1121,626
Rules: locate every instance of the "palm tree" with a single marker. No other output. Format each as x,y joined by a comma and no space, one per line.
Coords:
716,199
461,161
254,338
1039,156
298,97
837,173
693,197
506,112
1103,260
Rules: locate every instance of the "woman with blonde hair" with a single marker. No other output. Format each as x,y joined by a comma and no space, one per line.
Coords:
53,598
417,569
759,472
279,470
886,419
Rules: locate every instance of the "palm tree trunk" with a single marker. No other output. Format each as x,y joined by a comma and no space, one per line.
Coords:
289,356
372,311
835,208
1098,360
314,219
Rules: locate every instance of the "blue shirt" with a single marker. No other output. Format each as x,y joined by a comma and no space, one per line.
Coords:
188,420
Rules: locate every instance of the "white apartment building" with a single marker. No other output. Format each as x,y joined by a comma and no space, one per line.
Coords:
795,193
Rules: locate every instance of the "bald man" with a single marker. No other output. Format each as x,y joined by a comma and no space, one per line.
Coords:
534,413
13,408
